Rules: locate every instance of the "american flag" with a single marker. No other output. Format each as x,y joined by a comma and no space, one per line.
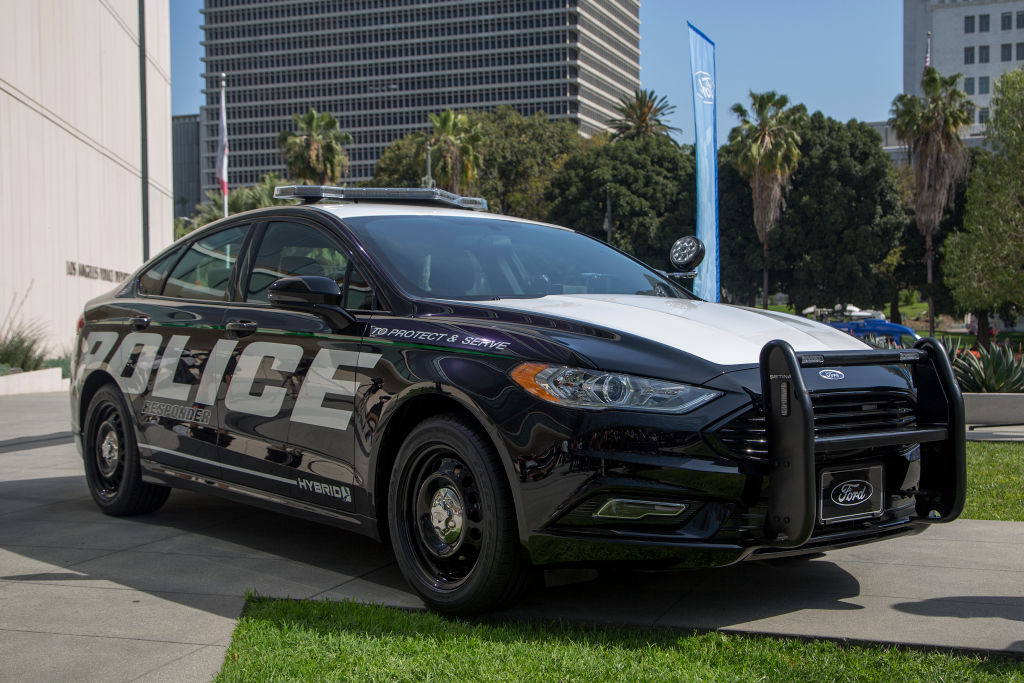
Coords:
222,146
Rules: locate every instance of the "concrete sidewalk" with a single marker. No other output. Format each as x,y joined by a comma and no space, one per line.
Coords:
84,596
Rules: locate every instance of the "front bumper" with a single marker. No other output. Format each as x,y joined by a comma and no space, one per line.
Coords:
742,510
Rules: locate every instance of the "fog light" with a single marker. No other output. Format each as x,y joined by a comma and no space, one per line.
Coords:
621,508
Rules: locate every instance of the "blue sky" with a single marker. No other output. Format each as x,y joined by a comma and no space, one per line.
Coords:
843,58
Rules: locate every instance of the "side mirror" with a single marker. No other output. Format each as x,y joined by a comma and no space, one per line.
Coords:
311,294
686,254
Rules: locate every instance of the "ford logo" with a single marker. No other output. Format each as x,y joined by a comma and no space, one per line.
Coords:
852,492
831,374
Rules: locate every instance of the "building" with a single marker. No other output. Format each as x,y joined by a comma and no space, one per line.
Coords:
185,145
381,66
85,168
981,39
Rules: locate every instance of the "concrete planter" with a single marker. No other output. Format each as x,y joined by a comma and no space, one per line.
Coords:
37,382
994,409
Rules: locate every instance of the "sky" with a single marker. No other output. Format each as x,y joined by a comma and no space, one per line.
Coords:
842,57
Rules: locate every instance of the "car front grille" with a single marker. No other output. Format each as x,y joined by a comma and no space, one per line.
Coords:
835,414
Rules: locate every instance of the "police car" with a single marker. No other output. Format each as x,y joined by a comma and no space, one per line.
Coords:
489,394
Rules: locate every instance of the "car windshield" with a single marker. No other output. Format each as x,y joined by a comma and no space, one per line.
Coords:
475,258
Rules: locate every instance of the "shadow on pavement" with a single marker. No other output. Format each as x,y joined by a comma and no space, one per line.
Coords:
967,607
199,545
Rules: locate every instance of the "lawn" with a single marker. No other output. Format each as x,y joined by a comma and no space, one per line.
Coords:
995,481
302,640
282,640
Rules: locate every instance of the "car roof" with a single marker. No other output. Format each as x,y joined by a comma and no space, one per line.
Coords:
359,209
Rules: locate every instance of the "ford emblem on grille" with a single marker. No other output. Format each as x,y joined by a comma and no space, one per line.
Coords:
852,492
831,374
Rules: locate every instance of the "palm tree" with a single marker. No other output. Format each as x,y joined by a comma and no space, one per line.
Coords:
640,116
314,153
455,145
767,149
930,127
239,199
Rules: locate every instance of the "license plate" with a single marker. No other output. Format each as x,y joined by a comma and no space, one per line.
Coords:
853,493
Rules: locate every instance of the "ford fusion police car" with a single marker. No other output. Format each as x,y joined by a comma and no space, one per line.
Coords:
489,393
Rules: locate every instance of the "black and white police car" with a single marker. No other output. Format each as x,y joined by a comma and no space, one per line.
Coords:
491,393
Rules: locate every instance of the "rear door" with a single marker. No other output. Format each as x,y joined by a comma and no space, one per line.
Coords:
172,356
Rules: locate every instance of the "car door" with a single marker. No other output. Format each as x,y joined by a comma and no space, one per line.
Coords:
172,359
288,399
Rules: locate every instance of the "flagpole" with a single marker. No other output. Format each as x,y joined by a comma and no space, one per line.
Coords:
222,150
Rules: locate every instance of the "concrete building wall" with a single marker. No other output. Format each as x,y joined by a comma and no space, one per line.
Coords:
71,162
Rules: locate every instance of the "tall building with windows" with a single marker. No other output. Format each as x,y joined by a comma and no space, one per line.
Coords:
981,39
381,66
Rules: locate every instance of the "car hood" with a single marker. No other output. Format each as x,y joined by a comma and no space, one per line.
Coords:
719,333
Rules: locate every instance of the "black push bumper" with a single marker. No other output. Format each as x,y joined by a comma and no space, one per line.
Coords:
940,430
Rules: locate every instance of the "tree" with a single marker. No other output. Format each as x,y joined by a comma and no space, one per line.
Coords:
740,253
455,145
650,182
522,153
641,116
930,127
239,199
985,262
767,152
843,218
315,153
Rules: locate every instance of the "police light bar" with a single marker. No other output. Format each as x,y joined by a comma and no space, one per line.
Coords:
310,194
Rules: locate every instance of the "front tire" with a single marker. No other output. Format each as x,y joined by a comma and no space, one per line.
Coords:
112,469
452,519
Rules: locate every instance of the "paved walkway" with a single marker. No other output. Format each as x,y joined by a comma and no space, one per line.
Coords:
88,597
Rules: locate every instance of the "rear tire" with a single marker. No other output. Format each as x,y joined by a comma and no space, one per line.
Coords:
452,519
112,468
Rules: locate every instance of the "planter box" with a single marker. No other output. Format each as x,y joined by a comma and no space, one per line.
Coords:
38,382
994,409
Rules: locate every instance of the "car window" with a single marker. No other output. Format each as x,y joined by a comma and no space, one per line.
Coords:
294,249
358,292
205,270
482,258
151,281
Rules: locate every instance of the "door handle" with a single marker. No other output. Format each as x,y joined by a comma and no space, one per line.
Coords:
140,322
241,328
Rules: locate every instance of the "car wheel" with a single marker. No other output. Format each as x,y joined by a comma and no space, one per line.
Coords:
452,519
112,468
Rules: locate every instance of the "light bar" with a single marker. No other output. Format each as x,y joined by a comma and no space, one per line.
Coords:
420,195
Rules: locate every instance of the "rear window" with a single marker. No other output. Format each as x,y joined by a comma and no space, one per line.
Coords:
204,271
475,258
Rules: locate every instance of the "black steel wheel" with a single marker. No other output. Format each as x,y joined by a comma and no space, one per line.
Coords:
452,519
112,468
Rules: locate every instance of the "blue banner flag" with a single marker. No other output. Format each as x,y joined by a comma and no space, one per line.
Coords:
705,108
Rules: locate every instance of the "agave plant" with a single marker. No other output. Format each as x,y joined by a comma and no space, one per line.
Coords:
992,370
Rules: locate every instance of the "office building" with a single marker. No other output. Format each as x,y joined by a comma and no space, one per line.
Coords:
381,66
981,39
185,145
85,153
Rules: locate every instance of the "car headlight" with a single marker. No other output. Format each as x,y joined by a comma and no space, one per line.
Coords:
595,389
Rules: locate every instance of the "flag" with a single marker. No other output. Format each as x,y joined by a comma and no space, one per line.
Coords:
928,52
702,61
222,147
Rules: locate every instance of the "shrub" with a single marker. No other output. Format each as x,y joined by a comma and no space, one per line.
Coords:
22,345
992,370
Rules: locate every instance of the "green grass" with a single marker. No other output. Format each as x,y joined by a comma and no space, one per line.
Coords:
995,481
282,640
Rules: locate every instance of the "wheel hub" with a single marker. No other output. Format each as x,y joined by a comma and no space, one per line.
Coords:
109,453
447,516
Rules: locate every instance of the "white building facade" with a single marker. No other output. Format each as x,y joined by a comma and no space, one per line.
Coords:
85,153
981,39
